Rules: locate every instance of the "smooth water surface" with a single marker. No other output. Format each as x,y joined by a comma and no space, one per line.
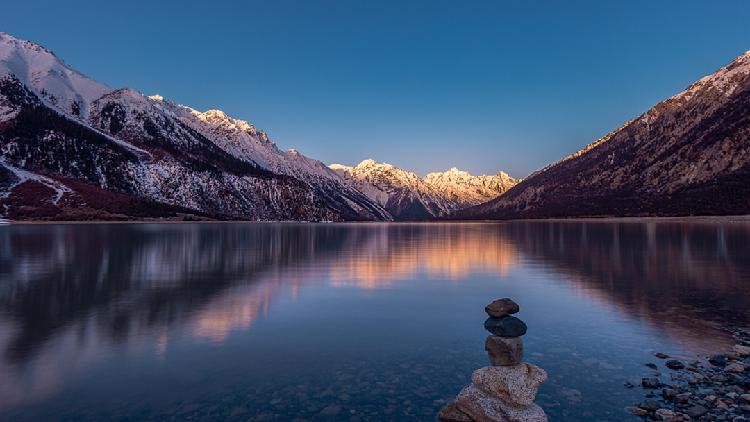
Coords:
272,322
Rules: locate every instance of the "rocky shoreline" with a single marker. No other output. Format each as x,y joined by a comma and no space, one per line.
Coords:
715,388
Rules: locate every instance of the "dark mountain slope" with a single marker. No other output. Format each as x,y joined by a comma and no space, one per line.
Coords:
688,155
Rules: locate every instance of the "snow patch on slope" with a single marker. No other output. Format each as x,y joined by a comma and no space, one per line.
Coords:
24,175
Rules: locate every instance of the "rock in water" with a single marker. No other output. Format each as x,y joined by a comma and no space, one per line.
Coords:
515,385
482,407
674,364
507,326
650,382
501,307
503,392
741,350
718,360
504,351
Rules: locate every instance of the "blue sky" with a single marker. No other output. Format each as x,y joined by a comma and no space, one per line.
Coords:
426,85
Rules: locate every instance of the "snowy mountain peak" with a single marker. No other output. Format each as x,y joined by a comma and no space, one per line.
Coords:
370,163
12,41
52,80
341,167
406,195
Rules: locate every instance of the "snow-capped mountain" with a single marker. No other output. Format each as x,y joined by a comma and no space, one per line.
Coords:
74,148
690,154
465,190
407,196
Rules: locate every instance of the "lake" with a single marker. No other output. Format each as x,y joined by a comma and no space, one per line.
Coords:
350,322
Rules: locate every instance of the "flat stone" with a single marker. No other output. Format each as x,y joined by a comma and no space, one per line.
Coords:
516,385
636,411
696,411
482,407
501,307
504,351
650,382
735,367
682,398
650,405
508,326
451,413
674,364
741,350
665,414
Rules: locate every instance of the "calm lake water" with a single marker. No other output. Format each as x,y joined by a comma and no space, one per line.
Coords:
272,322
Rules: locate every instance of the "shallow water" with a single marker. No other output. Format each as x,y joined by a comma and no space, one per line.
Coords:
349,321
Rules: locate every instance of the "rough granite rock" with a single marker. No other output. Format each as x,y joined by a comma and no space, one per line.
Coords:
482,407
451,413
516,385
504,351
501,307
508,326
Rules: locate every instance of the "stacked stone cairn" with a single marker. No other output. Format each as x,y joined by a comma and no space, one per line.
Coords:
504,391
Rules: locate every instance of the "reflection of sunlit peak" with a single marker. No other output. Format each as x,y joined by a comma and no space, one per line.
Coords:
161,345
230,312
378,264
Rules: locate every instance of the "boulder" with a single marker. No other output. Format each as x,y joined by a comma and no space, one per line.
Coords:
482,407
515,385
504,351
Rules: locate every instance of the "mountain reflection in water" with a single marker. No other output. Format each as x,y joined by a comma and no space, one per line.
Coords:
73,295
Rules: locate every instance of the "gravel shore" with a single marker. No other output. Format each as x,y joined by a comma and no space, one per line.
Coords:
713,388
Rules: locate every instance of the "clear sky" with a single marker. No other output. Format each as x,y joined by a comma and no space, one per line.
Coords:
427,85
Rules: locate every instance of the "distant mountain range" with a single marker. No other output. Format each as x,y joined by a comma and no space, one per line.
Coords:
690,154
406,196
75,149
72,148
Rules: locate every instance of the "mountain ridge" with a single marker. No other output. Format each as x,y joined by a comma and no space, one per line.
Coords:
689,154
74,148
56,123
407,196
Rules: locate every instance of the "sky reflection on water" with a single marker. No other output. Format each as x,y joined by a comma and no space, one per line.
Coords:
369,321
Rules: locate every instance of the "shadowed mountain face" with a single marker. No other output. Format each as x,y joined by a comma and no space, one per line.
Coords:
688,155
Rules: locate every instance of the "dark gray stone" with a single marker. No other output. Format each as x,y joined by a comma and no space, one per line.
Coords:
696,411
718,360
650,382
674,364
650,405
507,326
